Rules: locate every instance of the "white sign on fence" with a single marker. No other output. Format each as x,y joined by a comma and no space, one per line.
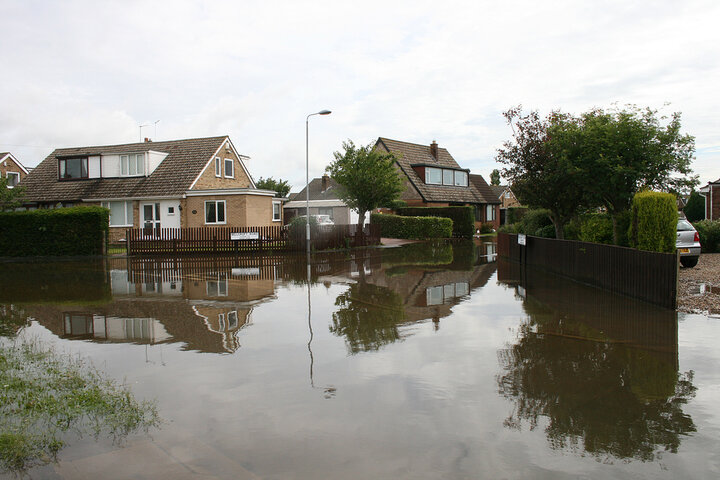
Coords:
521,239
250,271
244,235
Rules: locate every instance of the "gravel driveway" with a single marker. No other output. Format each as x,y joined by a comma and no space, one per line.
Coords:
699,287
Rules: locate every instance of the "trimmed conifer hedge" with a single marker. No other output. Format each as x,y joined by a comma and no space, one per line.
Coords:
58,232
396,226
463,218
654,222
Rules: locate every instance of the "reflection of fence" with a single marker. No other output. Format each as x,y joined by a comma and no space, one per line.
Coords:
223,240
647,276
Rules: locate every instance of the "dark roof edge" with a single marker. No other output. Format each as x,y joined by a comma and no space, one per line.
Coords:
380,140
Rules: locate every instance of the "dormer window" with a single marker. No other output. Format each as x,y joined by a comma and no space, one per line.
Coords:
73,168
132,165
446,176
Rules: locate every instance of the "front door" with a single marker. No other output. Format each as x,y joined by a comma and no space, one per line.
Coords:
151,218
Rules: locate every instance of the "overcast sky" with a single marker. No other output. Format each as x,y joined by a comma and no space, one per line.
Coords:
77,73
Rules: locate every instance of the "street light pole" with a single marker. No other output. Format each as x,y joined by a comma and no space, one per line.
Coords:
307,177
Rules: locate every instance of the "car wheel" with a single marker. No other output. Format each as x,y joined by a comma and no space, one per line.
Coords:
688,262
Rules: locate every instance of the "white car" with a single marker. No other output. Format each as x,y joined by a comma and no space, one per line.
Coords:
688,243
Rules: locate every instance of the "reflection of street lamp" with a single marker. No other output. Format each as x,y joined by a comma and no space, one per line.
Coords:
307,177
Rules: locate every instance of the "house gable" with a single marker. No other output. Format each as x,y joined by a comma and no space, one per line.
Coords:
11,168
218,173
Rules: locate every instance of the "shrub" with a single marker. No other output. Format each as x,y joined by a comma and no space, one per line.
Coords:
63,231
463,218
534,222
596,228
296,230
695,208
397,226
654,222
486,227
515,214
709,231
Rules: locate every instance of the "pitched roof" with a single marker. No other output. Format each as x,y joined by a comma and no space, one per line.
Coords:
498,190
316,191
485,190
409,154
4,155
186,159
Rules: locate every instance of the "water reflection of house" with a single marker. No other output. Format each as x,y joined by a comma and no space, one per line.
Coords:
205,306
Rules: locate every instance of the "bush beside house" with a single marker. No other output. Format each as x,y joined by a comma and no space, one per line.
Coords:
654,222
61,232
397,226
463,218
709,231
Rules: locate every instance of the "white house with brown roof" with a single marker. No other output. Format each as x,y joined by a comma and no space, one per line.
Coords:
180,183
12,169
434,179
323,201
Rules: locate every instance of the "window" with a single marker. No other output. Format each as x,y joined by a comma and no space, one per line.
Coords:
221,322
326,211
229,173
433,176
121,213
12,179
446,176
132,165
218,167
232,320
72,168
215,211
507,194
461,178
276,211
219,287
489,213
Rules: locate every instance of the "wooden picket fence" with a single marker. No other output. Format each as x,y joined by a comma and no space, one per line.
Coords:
224,240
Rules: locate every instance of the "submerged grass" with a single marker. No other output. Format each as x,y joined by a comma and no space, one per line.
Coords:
44,395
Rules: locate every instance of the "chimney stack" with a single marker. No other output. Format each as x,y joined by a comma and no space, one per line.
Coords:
434,149
147,140
325,182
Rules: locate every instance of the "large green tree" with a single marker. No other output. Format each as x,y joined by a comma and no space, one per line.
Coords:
543,164
495,177
368,178
695,208
281,187
631,149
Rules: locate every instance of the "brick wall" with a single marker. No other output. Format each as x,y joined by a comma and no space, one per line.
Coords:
208,179
240,210
9,165
715,207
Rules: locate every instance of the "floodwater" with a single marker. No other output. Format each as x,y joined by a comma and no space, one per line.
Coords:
423,362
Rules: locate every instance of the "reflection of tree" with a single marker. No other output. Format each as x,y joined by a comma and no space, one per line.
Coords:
12,319
368,317
606,398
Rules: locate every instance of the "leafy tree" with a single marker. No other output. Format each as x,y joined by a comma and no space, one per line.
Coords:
628,150
544,166
695,207
282,187
495,177
10,198
368,179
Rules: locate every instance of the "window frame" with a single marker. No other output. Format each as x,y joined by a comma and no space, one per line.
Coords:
279,211
232,167
463,175
218,167
129,207
428,171
448,177
216,202
15,175
62,166
490,208
132,159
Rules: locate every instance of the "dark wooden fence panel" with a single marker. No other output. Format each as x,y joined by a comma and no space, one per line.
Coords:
217,240
647,276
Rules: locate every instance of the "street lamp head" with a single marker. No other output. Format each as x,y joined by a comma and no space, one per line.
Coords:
324,112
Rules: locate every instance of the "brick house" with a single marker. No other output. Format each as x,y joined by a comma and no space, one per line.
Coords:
711,192
323,201
12,169
181,183
434,179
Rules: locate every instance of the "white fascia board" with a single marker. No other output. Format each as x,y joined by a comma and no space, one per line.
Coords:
315,203
230,191
12,157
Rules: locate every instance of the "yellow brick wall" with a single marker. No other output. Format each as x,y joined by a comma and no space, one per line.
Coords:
208,180
8,165
240,210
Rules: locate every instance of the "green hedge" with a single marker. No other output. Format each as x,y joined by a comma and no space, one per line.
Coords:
396,226
654,222
709,231
59,232
596,228
463,217
515,214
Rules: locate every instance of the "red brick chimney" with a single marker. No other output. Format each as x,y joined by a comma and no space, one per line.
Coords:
325,183
434,149
147,140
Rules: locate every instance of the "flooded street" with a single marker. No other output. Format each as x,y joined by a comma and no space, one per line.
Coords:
423,361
